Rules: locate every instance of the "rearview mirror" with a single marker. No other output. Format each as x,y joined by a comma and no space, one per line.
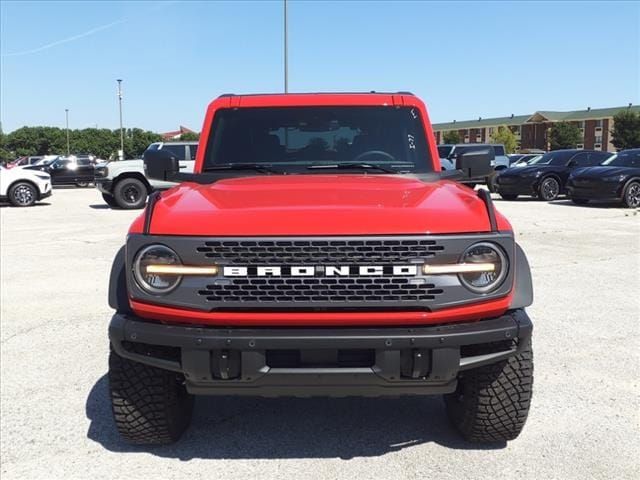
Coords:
475,163
160,165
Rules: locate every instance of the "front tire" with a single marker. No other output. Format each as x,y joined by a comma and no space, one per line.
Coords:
491,403
109,200
23,194
130,193
492,182
509,196
150,406
632,195
549,189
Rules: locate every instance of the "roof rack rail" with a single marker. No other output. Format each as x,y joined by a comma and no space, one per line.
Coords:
405,93
227,95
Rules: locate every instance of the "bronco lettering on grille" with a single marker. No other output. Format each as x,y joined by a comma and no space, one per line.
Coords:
321,270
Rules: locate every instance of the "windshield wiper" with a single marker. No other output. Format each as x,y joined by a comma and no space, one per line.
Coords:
352,166
242,166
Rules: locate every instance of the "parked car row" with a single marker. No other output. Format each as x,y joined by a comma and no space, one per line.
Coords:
582,175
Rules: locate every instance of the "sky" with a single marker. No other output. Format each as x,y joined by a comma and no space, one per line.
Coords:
464,59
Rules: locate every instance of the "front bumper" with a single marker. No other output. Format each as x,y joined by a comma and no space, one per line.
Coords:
599,191
517,186
104,185
320,361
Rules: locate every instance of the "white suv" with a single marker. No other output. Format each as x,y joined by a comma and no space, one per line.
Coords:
123,183
23,188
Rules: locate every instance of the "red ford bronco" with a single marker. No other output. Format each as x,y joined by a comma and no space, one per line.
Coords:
319,249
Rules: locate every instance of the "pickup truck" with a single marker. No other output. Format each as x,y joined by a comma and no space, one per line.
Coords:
319,249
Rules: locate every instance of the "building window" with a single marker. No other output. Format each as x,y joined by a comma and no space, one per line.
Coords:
599,124
466,139
490,130
597,146
515,129
581,124
478,138
580,146
598,139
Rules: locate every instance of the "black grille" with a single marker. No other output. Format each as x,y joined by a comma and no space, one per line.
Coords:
311,252
310,290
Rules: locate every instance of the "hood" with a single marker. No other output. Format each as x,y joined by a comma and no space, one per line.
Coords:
319,205
18,173
601,171
525,170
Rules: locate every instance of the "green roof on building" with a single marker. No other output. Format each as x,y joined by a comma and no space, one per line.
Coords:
541,115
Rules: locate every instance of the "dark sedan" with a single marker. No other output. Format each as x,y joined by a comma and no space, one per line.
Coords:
65,171
617,178
546,177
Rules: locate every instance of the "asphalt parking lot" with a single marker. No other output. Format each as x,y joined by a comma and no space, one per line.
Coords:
56,420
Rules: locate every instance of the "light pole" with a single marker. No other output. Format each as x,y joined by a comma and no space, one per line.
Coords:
121,130
286,56
66,112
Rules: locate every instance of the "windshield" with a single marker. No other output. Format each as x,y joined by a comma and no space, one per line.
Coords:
444,151
551,158
624,159
295,138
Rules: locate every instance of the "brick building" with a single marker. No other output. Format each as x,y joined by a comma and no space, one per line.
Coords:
532,131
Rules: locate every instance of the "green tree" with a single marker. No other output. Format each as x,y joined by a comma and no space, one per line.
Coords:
5,154
451,137
626,130
506,137
564,135
103,142
190,137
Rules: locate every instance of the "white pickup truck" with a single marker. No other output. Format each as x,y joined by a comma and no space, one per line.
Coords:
123,184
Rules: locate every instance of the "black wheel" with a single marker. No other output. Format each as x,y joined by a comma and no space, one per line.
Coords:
492,182
632,195
491,403
109,200
150,406
130,193
23,194
549,189
580,201
509,196
82,184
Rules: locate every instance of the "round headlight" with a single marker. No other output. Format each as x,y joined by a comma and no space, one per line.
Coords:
156,283
490,279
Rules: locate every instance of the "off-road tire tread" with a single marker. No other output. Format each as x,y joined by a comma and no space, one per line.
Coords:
117,193
149,406
110,200
495,401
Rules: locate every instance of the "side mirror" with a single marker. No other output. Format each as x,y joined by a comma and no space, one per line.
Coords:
160,165
475,163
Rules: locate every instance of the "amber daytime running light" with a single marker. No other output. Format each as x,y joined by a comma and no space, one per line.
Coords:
181,270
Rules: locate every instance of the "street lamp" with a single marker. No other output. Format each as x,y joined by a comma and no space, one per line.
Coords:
66,112
286,56
121,130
